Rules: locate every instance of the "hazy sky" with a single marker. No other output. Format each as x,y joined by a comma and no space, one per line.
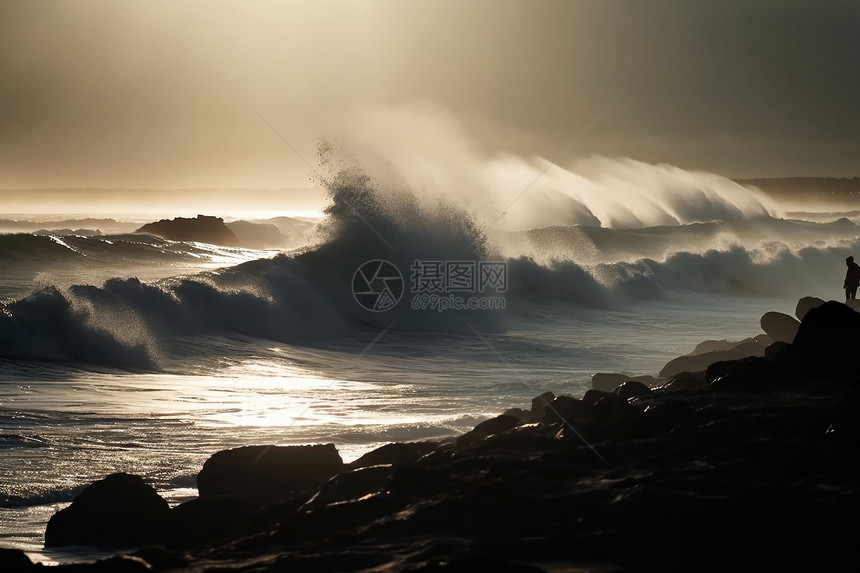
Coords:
113,93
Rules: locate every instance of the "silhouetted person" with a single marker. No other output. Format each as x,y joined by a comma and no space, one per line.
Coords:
852,279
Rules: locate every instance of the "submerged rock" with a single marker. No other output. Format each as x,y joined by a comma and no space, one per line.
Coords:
120,510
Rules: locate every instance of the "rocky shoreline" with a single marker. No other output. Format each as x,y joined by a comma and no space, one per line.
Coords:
739,457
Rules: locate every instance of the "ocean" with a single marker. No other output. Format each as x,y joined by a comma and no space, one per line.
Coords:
398,319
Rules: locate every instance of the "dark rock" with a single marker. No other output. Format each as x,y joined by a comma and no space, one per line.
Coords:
565,408
472,563
518,413
831,325
615,411
748,375
739,383
752,367
685,382
631,389
697,362
539,404
774,349
352,485
496,425
610,417
825,344
120,510
712,346
116,564
608,381
268,472
845,419
425,447
203,229
15,561
806,304
397,453
209,520
591,397
779,326
664,416
160,558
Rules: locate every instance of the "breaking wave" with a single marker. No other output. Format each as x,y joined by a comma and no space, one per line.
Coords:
134,324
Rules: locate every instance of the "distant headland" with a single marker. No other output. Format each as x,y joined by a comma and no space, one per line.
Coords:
203,228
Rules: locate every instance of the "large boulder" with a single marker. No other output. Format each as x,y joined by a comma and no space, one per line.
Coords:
825,344
806,304
779,326
539,404
119,511
497,425
268,472
613,416
591,397
209,519
565,409
831,325
748,375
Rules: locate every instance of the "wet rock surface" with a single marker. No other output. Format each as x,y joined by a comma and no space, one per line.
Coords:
749,464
